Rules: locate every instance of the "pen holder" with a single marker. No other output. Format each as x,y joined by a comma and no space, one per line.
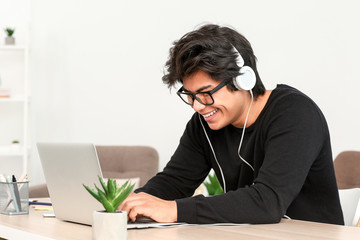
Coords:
14,198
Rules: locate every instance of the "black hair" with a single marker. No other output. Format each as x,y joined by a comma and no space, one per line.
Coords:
210,49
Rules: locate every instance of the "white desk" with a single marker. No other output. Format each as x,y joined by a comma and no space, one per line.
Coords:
35,226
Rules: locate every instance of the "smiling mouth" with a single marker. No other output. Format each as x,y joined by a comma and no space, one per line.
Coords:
210,114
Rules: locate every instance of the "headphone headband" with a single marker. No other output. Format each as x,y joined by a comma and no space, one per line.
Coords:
239,60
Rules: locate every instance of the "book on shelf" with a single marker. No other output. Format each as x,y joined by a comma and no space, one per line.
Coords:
5,93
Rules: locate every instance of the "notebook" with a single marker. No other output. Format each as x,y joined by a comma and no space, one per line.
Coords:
66,167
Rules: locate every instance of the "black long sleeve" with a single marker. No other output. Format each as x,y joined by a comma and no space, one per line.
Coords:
289,148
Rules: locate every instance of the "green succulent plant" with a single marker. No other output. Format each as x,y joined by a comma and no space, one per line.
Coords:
112,195
213,185
9,31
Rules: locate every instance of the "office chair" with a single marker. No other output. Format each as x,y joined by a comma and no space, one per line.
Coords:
347,171
128,162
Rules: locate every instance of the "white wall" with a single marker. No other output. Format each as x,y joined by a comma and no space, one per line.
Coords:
96,66
14,14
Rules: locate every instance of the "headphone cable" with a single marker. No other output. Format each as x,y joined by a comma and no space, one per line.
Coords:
243,132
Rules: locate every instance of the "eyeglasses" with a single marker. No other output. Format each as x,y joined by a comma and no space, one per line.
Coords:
204,98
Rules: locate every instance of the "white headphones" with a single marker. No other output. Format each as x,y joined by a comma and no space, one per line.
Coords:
247,78
245,81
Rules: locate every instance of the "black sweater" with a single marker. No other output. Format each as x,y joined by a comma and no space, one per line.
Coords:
289,149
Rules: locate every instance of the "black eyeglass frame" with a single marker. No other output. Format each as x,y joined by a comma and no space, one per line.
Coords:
193,95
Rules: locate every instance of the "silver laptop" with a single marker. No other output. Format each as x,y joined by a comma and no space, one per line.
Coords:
66,167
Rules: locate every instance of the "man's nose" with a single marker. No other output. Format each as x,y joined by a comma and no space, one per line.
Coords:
197,106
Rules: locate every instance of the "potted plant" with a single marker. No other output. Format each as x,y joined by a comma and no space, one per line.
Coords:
110,224
15,145
213,185
9,40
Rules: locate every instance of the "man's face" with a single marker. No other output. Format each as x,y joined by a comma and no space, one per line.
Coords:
229,106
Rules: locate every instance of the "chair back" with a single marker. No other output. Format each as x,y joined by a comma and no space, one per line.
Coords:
128,162
347,171
119,162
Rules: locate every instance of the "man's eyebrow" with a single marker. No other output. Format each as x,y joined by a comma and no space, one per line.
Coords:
199,90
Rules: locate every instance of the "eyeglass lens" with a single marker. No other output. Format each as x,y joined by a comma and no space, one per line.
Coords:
203,98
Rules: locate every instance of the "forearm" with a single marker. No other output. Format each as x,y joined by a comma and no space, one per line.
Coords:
164,187
256,204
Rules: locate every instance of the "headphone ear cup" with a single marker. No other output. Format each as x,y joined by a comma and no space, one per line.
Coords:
246,80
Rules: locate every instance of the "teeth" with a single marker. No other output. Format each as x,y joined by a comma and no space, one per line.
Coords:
210,114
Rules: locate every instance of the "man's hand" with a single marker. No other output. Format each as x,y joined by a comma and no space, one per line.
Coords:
143,204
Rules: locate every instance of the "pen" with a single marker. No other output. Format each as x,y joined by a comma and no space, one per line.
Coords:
17,195
23,177
13,195
40,203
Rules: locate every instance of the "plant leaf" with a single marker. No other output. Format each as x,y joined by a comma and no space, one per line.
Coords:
120,189
99,190
209,188
92,192
113,195
123,195
215,182
218,191
213,186
103,185
106,203
111,186
9,31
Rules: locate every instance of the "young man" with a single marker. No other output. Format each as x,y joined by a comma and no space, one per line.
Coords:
270,149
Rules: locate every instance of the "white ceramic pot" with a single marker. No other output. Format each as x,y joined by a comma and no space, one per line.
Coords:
9,40
109,226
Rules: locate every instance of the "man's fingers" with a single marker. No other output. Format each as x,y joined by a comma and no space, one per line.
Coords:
131,195
132,215
142,204
133,206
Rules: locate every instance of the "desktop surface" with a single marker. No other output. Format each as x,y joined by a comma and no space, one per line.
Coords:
35,226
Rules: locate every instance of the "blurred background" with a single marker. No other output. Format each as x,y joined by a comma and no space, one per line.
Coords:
92,69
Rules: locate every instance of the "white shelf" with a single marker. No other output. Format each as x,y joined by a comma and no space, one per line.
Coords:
13,99
11,154
11,151
19,85
13,47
